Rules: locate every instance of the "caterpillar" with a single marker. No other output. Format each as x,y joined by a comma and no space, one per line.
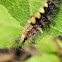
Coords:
41,19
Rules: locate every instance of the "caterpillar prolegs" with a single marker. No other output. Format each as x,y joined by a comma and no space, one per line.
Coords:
41,19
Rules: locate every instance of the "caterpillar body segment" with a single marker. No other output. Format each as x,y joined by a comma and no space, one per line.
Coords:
41,20
33,20
46,5
31,30
42,11
51,9
38,15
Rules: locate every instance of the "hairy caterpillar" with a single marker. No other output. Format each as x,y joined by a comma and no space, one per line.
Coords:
41,19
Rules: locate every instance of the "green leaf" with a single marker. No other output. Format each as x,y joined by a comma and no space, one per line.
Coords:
47,45
19,9
44,58
50,45
9,29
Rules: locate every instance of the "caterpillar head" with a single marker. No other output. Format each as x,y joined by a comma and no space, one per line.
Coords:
38,15
33,20
42,10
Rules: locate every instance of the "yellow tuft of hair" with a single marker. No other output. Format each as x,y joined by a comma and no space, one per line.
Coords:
46,5
38,15
42,11
33,20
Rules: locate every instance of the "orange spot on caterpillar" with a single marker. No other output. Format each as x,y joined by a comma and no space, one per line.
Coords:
36,25
41,21
53,2
25,35
31,27
28,25
27,31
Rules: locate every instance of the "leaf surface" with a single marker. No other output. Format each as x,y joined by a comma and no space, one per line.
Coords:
44,58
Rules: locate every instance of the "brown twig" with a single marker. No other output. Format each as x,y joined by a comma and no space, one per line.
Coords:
57,45
17,54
